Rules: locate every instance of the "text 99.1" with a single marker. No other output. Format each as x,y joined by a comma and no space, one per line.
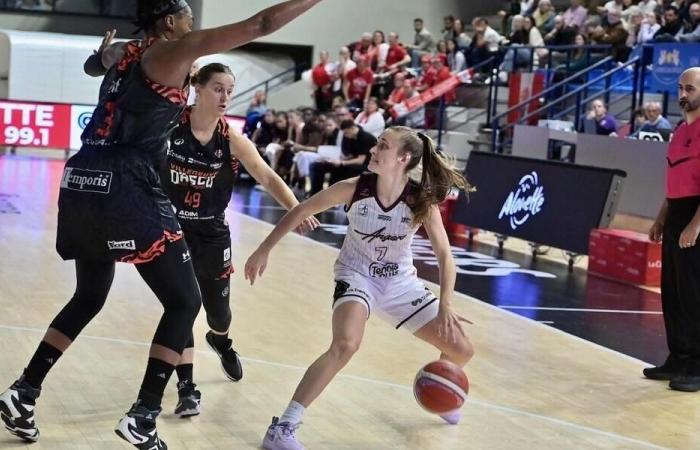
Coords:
26,136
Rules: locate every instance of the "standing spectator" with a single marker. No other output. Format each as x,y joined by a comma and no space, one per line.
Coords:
575,15
648,28
378,51
605,123
455,58
423,43
678,223
371,119
323,77
448,32
344,65
358,84
353,160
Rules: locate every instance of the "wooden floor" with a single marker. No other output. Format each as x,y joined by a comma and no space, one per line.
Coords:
531,385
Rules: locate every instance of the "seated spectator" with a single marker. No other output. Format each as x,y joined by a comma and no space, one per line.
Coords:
672,27
414,119
561,34
307,153
614,34
654,120
648,28
371,119
358,84
362,48
265,133
579,59
441,51
396,57
692,29
398,94
428,74
634,24
353,160
423,43
456,61
443,73
280,136
575,16
448,29
462,39
605,124
322,76
485,41
255,112
544,16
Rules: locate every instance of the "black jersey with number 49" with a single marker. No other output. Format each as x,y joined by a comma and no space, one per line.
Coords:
199,178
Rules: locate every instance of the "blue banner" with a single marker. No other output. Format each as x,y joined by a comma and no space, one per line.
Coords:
670,60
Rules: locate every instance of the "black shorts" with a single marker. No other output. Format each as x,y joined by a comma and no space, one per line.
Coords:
210,246
111,208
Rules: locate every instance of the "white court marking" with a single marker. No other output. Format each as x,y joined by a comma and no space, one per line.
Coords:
550,308
501,408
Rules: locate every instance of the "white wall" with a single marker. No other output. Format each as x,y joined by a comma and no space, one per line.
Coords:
334,23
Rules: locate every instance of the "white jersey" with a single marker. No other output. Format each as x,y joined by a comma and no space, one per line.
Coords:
378,240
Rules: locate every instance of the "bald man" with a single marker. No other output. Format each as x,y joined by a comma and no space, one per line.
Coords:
679,224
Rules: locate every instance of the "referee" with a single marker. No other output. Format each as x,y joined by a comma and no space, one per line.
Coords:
679,223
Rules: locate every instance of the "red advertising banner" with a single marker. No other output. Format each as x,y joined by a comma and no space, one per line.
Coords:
411,104
34,124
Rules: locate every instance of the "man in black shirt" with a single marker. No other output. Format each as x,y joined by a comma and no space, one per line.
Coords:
353,159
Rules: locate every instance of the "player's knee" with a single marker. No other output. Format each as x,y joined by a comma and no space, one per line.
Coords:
344,348
462,351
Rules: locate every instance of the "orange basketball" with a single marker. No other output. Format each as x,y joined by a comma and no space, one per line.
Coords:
441,387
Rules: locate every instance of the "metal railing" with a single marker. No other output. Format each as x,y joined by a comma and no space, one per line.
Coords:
281,79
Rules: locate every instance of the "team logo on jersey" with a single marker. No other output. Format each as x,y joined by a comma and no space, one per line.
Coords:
379,234
198,181
405,220
418,301
121,245
384,217
186,256
219,153
386,270
179,141
227,254
84,180
363,210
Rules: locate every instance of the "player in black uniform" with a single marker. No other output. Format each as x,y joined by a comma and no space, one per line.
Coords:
112,208
202,162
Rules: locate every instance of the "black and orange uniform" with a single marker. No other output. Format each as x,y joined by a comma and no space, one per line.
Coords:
113,208
680,270
199,179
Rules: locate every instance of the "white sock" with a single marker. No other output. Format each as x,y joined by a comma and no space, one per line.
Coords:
293,413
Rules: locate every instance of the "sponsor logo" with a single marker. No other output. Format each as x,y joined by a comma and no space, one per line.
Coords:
192,180
405,220
188,214
418,301
227,254
225,292
121,245
218,153
114,86
84,119
363,210
369,237
179,141
379,270
670,57
384,217
86,180
523,203
186,256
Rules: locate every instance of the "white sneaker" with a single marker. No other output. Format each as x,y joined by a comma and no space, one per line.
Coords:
281,436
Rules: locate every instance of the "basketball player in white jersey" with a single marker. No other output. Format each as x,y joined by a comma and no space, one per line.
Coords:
374,272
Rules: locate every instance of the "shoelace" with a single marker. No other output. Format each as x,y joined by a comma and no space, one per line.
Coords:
289,429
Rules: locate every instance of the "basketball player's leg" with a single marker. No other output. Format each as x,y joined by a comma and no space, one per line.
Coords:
349,320
171,278
458,349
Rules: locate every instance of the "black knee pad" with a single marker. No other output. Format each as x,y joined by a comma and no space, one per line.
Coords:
216,301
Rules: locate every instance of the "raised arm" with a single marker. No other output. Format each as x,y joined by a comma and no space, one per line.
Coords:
160,65
105,56
338,194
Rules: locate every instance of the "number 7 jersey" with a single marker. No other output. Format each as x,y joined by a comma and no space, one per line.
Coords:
378,240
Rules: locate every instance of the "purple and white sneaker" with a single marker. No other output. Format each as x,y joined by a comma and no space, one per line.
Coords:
282,436
452,418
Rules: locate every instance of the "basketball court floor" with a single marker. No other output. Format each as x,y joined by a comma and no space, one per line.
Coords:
557,366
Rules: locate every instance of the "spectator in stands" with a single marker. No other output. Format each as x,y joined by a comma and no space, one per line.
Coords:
672,27
442,73
448,32
692,30
648,28
544,16
575,15
423,43
654,120
362,47
441,51
462,39
378,50
605,123
456,60
428,75
578,60
344,65
281,135
614,34
415,119
511,9
371,119
397,56
306,153
358,84
647,6
611,6
684,9
192,97
342,113
534,39
353,160
255,112
561,34
634,24
323,75
264,134
485,41
398,94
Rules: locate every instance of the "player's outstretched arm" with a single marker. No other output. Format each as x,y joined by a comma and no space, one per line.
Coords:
168,62
338,194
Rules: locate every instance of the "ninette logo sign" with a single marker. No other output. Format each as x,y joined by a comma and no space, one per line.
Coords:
525,202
